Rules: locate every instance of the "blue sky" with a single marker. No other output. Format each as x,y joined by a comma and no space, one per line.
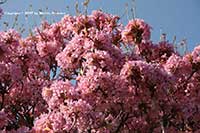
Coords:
173,17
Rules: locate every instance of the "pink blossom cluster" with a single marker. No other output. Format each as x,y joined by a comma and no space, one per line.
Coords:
136,31
75,75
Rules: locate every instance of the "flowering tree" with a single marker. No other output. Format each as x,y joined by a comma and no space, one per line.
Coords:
92,74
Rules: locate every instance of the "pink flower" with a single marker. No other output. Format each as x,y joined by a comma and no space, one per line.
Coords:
178,66
57,93
136,31
70,57
16,72
48,48
22,129
163,51
75,76
196,54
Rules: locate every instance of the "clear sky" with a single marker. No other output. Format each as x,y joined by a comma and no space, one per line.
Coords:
173,17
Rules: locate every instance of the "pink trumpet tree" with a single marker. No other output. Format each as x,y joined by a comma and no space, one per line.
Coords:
90,73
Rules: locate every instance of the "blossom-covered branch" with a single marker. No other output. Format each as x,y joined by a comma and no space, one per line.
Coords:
75,75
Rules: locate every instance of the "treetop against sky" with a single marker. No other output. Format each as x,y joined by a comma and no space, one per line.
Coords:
178,18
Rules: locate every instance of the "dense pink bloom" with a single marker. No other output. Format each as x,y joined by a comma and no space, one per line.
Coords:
196,54
136,31
45,48
57,92
178,66
163,50
70,57
145,50
16,72
76,76
55,121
